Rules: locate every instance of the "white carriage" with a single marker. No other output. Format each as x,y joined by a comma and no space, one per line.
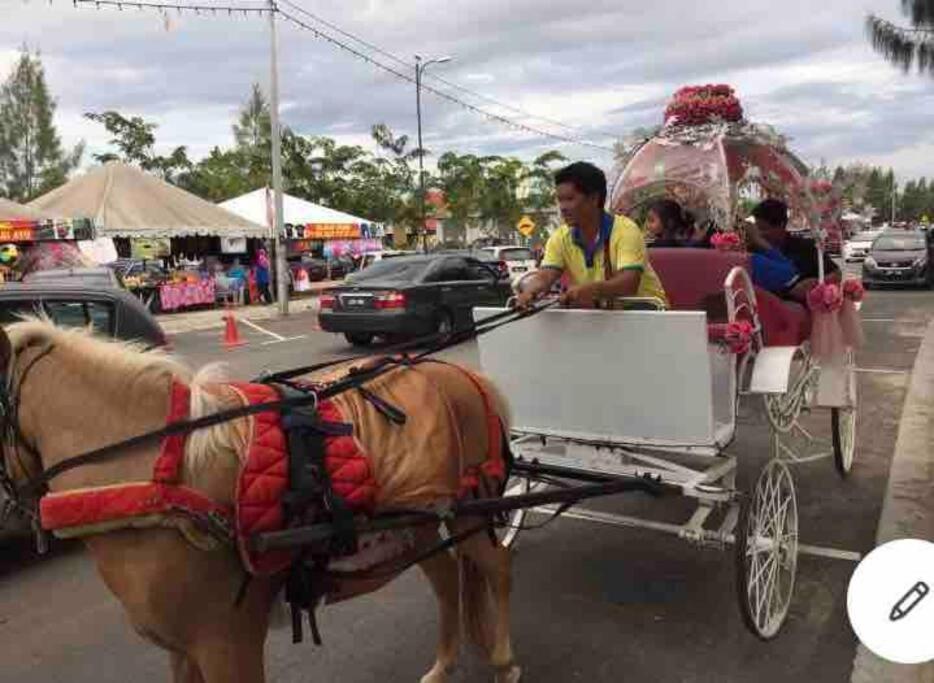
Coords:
598,395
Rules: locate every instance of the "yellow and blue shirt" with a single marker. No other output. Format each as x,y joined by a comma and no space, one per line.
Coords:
567,251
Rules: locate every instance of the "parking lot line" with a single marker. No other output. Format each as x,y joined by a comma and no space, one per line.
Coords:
284,339
248,323
883,371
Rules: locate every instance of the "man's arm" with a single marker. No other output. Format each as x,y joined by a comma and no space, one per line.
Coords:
540,282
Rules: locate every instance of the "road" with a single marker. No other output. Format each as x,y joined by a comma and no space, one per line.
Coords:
590,603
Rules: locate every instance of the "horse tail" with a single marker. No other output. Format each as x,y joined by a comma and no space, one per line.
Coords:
476,604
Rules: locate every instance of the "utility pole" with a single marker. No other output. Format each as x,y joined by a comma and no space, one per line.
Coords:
419,70
282,283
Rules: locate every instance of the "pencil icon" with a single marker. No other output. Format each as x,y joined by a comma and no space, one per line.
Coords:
909,601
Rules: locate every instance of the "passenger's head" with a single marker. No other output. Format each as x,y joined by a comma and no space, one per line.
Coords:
667,220
772,221
581,192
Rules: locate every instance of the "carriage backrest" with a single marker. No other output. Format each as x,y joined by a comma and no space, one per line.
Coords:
690,275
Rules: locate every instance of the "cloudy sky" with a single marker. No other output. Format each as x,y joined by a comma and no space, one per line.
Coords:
602,67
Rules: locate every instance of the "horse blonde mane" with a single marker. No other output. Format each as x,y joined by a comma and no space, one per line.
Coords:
130,364
130,360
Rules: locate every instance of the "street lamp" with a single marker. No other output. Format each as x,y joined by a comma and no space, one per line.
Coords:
419,70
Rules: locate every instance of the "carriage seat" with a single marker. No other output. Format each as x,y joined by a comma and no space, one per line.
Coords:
691,275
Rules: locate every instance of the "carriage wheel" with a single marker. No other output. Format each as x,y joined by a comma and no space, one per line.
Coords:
516,485
767,551
783,410
843,426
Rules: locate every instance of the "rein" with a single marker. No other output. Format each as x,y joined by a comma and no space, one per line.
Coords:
355,379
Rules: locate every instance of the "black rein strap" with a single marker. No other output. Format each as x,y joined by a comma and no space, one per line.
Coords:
355,380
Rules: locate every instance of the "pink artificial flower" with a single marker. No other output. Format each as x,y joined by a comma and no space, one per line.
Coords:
826,297
726,241
853,290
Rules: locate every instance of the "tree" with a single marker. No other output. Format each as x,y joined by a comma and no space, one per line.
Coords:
135,141
32,160
906,46
253,129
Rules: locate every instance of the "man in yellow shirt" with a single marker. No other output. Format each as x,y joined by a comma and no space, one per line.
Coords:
604,256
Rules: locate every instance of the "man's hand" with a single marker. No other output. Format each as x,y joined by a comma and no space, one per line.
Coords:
525,299
582,296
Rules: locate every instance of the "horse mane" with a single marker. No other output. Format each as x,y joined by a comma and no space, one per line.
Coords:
130,360
130,365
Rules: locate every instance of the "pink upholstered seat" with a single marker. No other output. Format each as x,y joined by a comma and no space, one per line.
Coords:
690,275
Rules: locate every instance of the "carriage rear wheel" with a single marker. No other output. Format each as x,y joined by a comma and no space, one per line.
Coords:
767,551
843,426
508,532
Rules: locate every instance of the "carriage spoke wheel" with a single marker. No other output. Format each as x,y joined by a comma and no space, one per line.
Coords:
843,426
783,410
767,551
508,531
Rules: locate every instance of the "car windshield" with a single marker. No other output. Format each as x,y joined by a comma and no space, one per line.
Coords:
403,270
517,254
893,243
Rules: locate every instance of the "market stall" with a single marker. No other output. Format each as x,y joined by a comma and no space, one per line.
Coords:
311,229
35,240
177,249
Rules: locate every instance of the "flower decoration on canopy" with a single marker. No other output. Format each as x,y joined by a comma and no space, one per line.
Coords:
726,241
699,104
826,206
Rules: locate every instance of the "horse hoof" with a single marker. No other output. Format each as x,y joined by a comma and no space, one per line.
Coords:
512,674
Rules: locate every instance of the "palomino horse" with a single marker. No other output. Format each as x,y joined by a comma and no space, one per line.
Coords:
72,393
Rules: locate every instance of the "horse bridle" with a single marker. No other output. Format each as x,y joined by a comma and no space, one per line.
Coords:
13,441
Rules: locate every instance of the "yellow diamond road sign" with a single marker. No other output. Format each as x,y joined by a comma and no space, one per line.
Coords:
526,226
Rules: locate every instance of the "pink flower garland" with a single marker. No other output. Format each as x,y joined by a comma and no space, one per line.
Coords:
825,301
850,322
726,241
700,104
737,335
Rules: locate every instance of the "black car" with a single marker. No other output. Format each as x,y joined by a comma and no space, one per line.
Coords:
898,257
109,311
411,296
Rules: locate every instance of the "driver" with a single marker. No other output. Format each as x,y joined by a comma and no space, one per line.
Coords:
604,256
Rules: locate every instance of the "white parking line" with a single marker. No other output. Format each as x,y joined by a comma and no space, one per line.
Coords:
882,371
284,339
248,323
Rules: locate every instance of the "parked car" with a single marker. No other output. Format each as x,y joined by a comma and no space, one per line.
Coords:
518,259
109,311
377,256
89,277
898,257
857,247
411,296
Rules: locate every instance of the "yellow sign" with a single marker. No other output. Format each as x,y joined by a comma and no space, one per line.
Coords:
526,226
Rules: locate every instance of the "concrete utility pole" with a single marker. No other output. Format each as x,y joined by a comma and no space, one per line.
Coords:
281,267
419,70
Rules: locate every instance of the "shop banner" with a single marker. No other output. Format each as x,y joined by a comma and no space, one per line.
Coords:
337,248
45,231
173,296
331,231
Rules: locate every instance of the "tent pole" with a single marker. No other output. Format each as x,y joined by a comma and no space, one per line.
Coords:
281,268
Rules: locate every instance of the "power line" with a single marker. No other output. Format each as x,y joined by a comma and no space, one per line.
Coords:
318,33
165,7
450,84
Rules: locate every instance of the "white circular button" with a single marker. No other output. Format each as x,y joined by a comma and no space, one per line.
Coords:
890,601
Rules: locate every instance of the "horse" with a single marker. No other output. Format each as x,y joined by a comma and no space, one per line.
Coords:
69,392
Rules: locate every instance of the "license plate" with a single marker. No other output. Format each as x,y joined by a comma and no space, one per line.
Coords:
520,269
355,302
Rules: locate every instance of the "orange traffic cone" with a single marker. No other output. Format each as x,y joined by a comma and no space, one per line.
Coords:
231,333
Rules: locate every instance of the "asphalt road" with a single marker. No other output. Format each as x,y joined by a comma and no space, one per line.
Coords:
590,603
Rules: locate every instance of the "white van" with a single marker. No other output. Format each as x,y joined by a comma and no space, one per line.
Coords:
519,260
377,256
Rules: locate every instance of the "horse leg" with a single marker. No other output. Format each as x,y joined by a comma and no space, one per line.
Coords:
227,659
493,565
184,670
441,570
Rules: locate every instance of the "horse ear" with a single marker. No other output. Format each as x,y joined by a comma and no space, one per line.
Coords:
6,352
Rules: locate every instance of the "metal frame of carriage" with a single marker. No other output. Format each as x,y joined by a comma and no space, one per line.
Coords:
761,524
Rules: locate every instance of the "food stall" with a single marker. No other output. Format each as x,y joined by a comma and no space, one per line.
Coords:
153,222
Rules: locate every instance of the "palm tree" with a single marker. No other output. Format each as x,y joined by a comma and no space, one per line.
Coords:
906,46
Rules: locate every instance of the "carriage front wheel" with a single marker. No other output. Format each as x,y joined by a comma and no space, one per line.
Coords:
767,551
843,425
508,528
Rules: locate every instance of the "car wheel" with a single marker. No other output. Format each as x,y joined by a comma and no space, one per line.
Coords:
867,285
445,324
359,338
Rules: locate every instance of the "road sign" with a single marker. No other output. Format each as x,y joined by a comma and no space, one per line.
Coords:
526,226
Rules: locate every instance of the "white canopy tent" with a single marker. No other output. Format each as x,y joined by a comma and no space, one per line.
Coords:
253,207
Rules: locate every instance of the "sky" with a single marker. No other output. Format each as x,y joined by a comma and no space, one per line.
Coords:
602,68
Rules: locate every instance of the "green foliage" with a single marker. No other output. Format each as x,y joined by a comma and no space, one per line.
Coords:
135,140
32,160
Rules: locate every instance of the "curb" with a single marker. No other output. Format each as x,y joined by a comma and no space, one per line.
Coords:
908,510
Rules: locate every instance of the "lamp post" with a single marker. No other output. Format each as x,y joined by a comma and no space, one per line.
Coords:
419,70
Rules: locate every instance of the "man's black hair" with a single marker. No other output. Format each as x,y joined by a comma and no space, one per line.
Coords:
587,178
772,211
